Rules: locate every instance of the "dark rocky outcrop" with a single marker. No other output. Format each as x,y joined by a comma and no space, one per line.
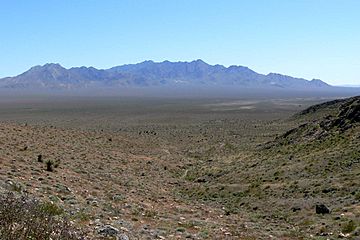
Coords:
321,209
339,116
108,231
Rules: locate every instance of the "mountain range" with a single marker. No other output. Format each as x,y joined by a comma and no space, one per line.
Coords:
153,74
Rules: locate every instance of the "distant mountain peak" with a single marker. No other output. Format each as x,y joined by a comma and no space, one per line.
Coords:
52,66
150,73
273,74
147,62
318,82
199,61
47,66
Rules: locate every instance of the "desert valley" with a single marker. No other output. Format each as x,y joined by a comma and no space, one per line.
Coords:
150,168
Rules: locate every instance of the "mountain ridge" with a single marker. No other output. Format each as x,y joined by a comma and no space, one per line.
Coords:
150,73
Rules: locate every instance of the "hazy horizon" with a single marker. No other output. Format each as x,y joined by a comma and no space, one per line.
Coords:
150,60
335,85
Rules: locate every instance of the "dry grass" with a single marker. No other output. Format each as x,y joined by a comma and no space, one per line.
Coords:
24,218
181,169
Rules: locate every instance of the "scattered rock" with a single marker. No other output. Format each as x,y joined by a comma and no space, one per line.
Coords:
295,209
108,231
328,190
322,209
343,235
63,189
201,180
356,232
118,197
123,237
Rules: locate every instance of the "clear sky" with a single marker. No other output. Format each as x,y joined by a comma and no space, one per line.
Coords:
301,38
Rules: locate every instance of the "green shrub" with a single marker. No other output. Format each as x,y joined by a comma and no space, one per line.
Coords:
51,209
24,218
49,166
348,227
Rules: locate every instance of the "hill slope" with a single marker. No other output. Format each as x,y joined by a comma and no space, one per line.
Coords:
282,181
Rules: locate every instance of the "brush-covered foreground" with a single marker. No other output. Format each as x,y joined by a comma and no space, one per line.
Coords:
239,169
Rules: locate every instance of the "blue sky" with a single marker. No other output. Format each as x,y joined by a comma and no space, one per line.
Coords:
301,38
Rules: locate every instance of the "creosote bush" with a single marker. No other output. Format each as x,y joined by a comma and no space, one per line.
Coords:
39,158
26,218
49,166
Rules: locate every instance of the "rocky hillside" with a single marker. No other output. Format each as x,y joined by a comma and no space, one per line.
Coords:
333,118
307,177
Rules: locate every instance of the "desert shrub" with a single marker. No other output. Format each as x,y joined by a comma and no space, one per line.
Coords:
17,187
348,227
49,165
26,218
81,216
51,208
357,196
39,158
